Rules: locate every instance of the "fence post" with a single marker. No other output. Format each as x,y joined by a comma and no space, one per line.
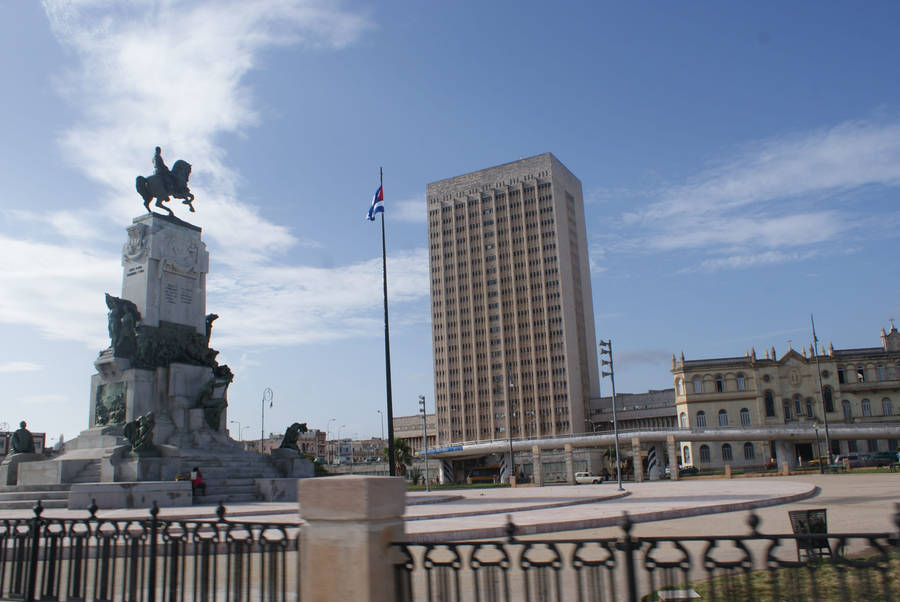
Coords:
627,546
30,587
151,573
348,526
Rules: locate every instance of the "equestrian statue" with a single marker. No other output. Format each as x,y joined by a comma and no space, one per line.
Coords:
165,183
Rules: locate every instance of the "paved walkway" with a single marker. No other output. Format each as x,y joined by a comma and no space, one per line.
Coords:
855,502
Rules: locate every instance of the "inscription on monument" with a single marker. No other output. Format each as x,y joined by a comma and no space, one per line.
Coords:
170,293
187,295
137,269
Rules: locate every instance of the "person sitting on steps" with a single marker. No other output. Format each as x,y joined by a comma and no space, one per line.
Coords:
197,483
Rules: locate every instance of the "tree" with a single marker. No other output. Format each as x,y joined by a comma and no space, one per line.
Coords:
402,454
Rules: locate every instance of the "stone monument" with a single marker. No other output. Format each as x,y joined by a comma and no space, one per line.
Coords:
21,449
158,401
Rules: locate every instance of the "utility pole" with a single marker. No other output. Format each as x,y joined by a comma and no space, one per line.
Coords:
424,438
606,349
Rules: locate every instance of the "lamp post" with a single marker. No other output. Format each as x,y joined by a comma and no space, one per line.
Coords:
424,438
512,458
818,449
821,389
380,413
266,396
330,441
239,428
606,349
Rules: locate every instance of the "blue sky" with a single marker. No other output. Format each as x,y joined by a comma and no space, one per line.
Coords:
740,164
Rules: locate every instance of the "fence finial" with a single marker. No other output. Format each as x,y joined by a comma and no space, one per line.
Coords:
38,509
220,511
93,508
753,522
510,528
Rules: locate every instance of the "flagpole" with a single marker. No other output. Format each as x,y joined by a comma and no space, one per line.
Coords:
392,465
821,393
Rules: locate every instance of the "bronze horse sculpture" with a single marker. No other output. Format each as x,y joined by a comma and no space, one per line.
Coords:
155,187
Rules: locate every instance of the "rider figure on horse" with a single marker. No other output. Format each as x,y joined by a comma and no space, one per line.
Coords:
160,169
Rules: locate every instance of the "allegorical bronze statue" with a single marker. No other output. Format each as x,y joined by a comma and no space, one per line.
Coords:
165,183
140,434
21,441
292,435
123,318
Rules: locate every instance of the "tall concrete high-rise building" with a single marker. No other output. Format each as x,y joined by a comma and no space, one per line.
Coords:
512,316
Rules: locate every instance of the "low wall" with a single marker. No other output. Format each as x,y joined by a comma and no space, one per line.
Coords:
131,495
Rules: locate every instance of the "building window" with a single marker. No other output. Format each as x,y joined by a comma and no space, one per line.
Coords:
809,407
749,453
871,445
720,384
879,372
787,410
704,454
745,417
698,385
726,452
866,407
798,406
723,418
679,386
701,418
741,381
686,455
845,405
829,399
683,420
886,408
770,404
860,374
852,446
841,374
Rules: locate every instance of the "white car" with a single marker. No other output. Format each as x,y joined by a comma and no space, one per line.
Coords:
586,477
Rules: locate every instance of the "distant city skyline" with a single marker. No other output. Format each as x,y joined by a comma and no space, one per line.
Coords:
740,167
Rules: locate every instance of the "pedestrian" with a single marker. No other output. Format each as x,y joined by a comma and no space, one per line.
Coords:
197,482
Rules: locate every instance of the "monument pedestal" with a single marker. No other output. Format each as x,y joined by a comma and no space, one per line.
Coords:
158,387
9,468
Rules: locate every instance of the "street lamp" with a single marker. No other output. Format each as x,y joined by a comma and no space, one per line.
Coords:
424,439
606,349
821,388
330,441
512,458
380,413
267,396
239,427
818,449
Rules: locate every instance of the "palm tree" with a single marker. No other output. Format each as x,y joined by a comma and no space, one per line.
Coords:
402,454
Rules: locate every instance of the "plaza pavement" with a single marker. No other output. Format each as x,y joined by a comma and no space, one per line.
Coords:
855,503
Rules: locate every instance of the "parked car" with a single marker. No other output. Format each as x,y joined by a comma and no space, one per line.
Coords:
486,474
884,458
682,470
586,477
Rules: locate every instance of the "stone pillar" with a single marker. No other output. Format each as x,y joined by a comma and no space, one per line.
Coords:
350,523
672,448
538,466
728,471
570,465
784,452
636,460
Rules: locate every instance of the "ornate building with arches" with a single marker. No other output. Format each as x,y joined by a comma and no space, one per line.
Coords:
858,386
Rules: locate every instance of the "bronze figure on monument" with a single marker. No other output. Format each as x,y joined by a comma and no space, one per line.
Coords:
165,183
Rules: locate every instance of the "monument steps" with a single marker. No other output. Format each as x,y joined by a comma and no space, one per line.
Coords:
89,474
19,497
228,491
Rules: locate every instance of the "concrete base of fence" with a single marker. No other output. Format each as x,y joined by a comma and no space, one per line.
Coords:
345,540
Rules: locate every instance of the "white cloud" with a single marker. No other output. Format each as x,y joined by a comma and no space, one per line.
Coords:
779,201
57,289
409,210
15,367
170,73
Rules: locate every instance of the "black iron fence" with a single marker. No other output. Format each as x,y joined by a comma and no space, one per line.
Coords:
151,559
806,565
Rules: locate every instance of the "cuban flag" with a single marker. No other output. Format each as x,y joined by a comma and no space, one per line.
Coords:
377,205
